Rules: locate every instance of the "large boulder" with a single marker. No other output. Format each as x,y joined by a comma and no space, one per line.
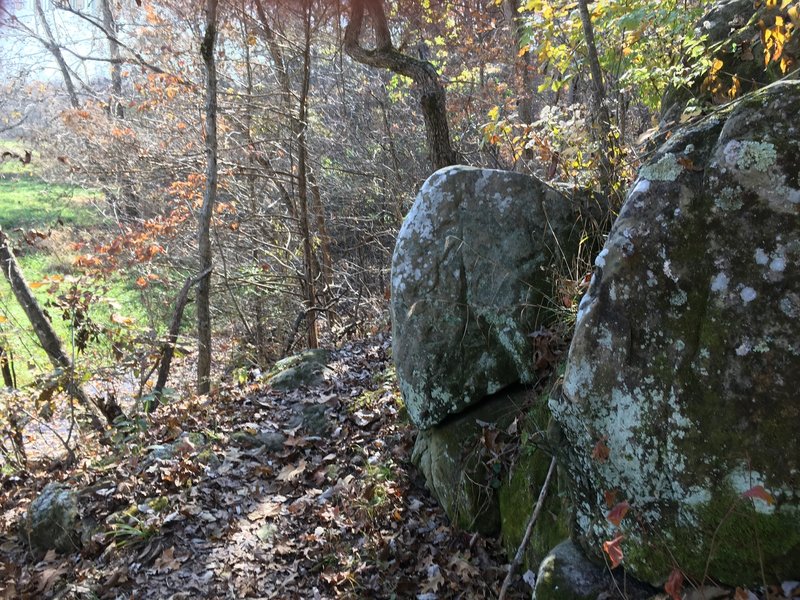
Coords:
470,284
680,392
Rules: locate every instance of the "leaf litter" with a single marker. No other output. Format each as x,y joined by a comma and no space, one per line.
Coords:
254,493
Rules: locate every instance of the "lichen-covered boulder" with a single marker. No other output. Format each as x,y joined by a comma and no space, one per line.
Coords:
470,284
306,369
680,395
51,522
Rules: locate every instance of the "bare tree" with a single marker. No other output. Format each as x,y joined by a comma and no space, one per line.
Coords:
207,49
432,95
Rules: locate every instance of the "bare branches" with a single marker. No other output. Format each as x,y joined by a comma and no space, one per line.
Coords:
431,91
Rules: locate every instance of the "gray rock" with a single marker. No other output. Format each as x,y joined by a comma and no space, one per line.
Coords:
680,392
567,574
470,282
51,522
269,440
307,369
453,459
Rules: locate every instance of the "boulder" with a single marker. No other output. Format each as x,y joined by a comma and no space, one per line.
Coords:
470,284
307,369
51,522
566,574
680,391
454,456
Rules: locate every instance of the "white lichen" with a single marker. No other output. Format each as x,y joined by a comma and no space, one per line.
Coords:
747,154
748,294
666,168
719,283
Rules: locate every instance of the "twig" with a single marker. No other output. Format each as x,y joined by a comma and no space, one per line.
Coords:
528,531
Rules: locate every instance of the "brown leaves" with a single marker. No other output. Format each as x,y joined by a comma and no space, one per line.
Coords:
601,451
291,472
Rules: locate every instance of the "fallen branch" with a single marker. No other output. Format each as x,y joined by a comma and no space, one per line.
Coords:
528,531
168,347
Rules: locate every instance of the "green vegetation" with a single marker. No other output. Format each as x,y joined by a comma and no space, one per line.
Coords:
45,221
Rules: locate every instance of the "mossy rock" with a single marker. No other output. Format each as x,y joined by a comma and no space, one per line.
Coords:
680,394
517,497
567,574
470,275
453,459
306,369
51,522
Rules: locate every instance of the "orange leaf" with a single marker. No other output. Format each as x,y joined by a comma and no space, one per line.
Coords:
674,584
141,282
614,551
601,452
618,513
610,496
758,491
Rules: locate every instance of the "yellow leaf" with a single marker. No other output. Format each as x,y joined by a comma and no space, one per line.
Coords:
772,3
120,320
37,284
736,88
3,319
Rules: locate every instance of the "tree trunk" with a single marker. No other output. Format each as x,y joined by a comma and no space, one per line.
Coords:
302,189
52,47
431,92
47,337
168,347
207,49
602,117
115,107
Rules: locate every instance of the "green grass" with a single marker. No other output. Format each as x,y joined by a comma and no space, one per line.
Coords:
27,202
30,203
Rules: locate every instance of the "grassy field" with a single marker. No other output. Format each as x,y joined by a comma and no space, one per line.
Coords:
65,215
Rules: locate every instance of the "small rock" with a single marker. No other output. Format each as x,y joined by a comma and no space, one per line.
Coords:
51,522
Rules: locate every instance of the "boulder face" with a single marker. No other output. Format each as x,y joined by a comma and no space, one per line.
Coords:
469,286
680,392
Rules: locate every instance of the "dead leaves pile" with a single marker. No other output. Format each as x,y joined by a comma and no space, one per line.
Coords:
334,511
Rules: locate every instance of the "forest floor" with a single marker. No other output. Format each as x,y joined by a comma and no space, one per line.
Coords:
255,493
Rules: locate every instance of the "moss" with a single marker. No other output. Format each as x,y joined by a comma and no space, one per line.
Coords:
519,492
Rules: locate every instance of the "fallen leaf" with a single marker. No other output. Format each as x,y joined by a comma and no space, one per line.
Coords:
614,551
291,472
758,491
616,514
674,585
167,561
265,510
601,452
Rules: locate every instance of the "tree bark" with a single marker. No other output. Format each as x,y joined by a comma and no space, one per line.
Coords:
168,347
207,50
47,337
432,97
